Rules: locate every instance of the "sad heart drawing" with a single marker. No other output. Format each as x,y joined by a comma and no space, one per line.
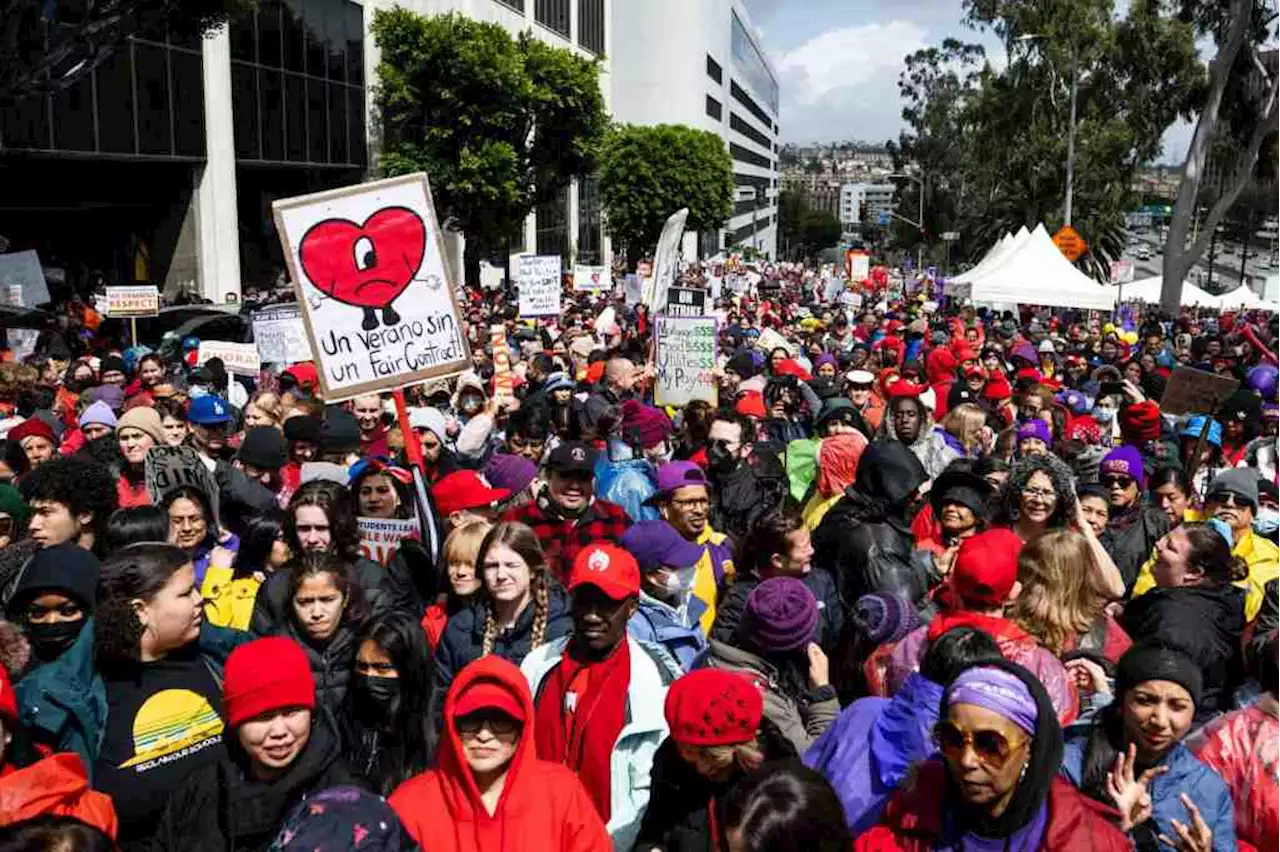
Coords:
366,265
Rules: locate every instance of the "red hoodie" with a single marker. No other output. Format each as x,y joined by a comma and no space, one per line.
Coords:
55,786
543,807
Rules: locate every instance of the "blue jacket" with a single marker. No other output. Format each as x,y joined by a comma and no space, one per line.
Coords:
1186,775
678,632
629,483
873,743
64,703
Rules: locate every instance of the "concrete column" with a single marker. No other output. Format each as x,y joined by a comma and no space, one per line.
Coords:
215,195
571,212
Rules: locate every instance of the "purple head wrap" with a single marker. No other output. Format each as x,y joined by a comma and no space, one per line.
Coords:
998,691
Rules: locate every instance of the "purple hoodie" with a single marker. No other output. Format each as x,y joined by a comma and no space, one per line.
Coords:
873,743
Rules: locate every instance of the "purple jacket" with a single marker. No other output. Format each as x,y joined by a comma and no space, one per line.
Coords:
873,743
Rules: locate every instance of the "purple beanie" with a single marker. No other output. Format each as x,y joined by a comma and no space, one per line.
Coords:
781,615
996,690
1125,460
511,472
1035,428
885,617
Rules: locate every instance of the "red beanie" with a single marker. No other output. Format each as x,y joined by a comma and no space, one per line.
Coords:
1140,422
8,701
32,427
713,707
985,569
265,675
903,387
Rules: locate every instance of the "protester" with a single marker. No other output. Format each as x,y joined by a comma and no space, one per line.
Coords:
325,613
461,550
138,430
230,591
667,611
70,500
53,600
683,498
785,805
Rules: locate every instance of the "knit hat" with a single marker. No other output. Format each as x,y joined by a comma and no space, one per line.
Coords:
1240,481
781,615
265,675
112,395
430,419
302,428
339,432
1034,428
12,504
885,617
1154,660
146,420
1140,422
98,414
742,364
263,447
558,380
1125,461
713,707
985,568
67,568
112,363
514,473
32,427
343,819
649,425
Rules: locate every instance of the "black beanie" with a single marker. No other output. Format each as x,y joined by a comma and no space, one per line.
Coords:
111,362
65,568
264,447
742,364
340,432
1154,660
303,428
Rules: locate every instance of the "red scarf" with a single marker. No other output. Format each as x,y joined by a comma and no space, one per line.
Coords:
583,739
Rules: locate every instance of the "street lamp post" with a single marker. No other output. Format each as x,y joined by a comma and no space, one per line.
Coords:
919,223
1071,122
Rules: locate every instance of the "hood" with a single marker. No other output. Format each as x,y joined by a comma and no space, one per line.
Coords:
888,470
458,783
940,365
902,735
927,423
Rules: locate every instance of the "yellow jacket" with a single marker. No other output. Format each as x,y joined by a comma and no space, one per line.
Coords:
716,550
1262,557
228,602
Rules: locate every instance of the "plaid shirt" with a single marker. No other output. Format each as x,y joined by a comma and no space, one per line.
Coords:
564,538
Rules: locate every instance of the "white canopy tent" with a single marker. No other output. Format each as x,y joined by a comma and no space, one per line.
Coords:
1033,271
1002,250
1148,290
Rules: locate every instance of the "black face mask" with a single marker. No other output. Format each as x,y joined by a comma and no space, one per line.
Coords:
377,699
719,460
49,641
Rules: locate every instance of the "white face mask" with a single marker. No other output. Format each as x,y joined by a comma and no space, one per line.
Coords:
1104,414
1267,521
680,581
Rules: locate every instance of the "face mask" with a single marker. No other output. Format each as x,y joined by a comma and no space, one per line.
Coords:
681,581
1267,522
49,641
196,391
1104,415
720,460
377,699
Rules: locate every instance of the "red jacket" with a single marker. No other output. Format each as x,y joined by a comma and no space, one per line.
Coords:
55,786
543,807
912,819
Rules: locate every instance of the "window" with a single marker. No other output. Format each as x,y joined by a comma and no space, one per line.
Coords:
553,14
713,108
746,155
518,5
115,99
591,25
73,117
740,95
713,70
749,60
748,131
552,221
741,207
155,134
744,234
589,221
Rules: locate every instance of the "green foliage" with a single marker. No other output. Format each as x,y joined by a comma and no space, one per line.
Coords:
803,232
648,173
498,123
48,47
992,144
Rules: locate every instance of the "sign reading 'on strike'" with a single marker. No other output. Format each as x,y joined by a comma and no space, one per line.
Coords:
686,354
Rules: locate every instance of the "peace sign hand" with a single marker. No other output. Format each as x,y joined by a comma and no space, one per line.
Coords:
1131,796
1197,838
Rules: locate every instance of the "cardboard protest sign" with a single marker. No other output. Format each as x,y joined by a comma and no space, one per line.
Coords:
664,260
140,300
367,262
770,340
503,378
633,290
20,273
686,302
280,336
1191,391
169,468
539,280
242,359
857,265
591,279
380,537
686,355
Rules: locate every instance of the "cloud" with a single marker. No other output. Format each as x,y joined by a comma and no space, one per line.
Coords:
848,57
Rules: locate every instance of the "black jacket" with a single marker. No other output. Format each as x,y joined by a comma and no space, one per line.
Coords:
1207,623
677,818
271,606
733,601
746,494
221,809
1130,539
331,665
865,538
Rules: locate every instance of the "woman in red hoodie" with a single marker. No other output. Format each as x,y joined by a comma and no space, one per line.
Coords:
489,790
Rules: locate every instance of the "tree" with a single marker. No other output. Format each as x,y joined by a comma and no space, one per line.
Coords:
820,230
791,209
499,124
648,173
1237,122
47,47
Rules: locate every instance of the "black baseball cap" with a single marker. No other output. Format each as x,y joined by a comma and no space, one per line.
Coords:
572,457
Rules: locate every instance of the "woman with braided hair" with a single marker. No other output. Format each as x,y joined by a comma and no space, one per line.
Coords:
519,606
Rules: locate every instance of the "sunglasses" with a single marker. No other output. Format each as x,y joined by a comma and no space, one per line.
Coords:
1229,498
499,724
1116,481
991,747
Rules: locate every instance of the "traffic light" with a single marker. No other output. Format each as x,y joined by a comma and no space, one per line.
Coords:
862,211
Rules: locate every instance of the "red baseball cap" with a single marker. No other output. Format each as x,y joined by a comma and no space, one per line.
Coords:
903,387
609,568
986,567
465,489
488,695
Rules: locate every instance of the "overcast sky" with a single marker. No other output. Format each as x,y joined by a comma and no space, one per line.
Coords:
838,63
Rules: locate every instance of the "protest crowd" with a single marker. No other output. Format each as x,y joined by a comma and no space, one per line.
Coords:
888,572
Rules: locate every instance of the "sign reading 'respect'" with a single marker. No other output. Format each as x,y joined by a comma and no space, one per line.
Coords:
377,302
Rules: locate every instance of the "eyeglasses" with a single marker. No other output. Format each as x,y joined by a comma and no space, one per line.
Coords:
1046,494
499,724
991,747
692,503
1229,498
1121,482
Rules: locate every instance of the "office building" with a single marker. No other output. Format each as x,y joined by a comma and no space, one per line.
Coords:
864,199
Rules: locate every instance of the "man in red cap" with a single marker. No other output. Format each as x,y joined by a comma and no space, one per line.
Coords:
600,692
463,496
983,580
